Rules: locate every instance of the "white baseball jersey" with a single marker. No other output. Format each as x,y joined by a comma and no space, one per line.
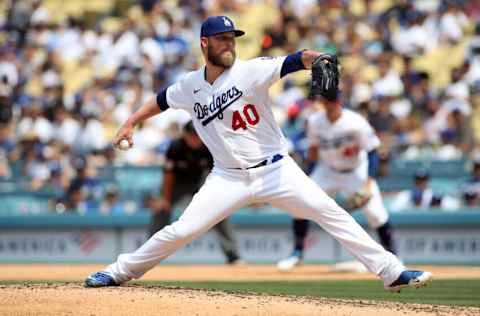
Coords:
233,116
343,144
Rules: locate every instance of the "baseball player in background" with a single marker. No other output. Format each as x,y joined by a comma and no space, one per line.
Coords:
228,100
345,145
187,161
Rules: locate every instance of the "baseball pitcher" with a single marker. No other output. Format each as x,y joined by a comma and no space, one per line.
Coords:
229,103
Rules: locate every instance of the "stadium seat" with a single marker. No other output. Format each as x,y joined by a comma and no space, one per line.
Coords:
23,203
147,179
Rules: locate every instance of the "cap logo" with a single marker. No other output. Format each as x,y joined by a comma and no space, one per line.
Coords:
227,22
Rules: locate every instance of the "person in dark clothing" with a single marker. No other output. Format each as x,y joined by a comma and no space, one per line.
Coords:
187,163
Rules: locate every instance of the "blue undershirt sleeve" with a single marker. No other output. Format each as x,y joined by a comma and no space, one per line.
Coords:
292,63
162,100
309,167
373,161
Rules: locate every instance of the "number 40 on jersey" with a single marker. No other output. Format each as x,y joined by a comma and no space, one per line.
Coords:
248,115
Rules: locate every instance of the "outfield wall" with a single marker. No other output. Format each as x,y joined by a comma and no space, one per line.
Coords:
421,237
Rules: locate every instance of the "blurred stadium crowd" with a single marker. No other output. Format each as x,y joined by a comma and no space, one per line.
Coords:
72,71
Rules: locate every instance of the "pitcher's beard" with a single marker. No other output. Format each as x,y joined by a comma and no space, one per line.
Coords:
223,60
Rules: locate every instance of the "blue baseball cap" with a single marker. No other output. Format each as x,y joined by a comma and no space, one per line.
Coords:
218,24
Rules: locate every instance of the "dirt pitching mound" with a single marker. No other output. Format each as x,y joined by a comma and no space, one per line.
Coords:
74,299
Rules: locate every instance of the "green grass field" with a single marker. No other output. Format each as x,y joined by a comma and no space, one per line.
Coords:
442,292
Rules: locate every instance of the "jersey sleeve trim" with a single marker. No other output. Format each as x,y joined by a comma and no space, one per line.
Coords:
162,100
292,63
373,162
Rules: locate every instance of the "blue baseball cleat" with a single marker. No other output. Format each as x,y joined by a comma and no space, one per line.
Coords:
410,278
100,279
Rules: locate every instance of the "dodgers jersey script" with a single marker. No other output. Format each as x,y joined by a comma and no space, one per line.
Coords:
233,116
344,143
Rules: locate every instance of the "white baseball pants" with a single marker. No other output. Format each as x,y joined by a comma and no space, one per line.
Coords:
282,184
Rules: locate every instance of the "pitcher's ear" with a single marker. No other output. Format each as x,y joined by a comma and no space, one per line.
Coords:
203,42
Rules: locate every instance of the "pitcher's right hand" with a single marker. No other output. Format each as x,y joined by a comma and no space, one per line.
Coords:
125,132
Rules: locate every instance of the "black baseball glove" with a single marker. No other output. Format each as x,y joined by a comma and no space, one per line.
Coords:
325,77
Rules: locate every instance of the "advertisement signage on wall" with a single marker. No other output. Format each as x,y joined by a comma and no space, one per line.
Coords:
62,245
256,245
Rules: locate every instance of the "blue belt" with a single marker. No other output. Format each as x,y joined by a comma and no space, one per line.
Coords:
275,158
